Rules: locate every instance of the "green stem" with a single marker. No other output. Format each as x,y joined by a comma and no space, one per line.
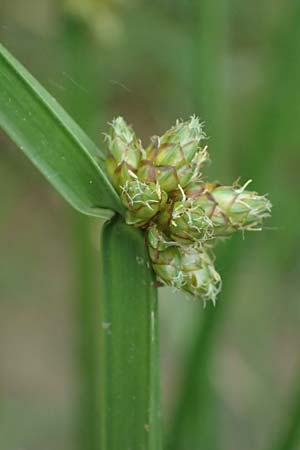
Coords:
130,412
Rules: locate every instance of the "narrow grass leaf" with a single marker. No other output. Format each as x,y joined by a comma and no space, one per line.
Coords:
53,141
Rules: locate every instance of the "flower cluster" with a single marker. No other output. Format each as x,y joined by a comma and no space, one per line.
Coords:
182,215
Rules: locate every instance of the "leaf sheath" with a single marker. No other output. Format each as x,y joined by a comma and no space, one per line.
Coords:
130,366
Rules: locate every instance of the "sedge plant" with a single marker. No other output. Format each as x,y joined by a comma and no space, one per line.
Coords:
162,222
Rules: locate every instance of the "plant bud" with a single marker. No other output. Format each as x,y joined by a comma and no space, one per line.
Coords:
183,267
189,223
185,222
143,201
165,258
124,153
200,276
230,208
176,157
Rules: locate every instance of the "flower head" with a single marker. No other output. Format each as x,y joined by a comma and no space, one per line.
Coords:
183,217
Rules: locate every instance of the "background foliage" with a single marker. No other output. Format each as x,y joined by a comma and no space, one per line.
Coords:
230,375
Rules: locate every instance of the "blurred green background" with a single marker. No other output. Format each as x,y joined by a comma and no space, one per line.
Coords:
230,375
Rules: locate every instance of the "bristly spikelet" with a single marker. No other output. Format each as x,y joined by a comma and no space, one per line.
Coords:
183,216
230,208
142,200
176,157
183,267
189,223
185,221
124,153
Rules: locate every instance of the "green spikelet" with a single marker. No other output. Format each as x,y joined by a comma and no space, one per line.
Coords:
189,223
142,200
124,153
176,157
183,267
183,217
165,257
230,208
185,221
201,278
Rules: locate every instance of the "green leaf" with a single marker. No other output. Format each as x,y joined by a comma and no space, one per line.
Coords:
130,412
53,141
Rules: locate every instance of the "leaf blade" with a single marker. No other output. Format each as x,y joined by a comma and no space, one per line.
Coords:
53,141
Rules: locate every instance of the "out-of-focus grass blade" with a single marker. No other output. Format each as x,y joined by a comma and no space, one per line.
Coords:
210,41
53,141
130,413
278,128
272,125
78,59
275,125
288,435
189,427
